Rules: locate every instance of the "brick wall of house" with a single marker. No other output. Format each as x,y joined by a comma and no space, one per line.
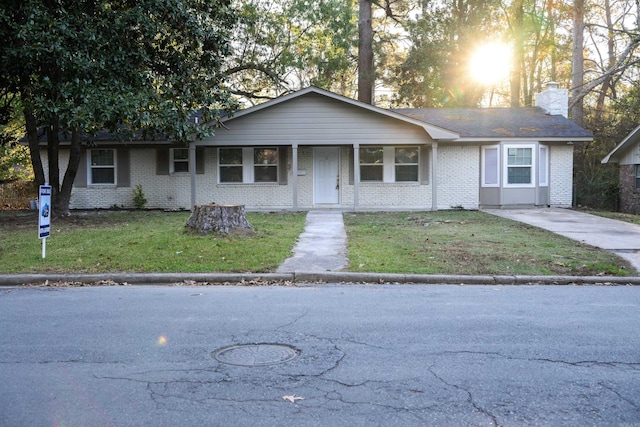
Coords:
561,175
629,195
458,177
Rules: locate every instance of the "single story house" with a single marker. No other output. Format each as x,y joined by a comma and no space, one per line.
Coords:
627,155
315,149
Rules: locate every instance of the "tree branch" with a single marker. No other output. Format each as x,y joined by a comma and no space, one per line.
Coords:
618,67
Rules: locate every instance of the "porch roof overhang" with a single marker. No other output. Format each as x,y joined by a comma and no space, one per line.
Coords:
620,150
437,133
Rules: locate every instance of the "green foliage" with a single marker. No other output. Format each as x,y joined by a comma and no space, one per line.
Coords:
85,66
289,44
15,163
89,65
139,200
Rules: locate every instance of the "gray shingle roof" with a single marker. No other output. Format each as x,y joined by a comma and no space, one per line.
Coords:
522,122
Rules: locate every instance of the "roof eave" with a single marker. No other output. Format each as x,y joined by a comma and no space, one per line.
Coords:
527,138
629,140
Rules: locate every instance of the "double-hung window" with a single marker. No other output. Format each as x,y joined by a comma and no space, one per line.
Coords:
248,165
179,160
637,177
519,165
102,166
389,164
406,164
371,164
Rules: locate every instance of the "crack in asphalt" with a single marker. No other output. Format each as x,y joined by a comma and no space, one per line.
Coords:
470,398
621,397
580,363
293,321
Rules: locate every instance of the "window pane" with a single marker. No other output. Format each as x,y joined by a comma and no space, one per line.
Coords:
637,176
371,155
407,155
519,175
230,173
180,154
371,173
181,166
231,156
102,157
406,173
265,156
265,174
491,166
519,156
102,176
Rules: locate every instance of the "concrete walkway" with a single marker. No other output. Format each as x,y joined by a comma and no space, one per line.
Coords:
321,247
621,238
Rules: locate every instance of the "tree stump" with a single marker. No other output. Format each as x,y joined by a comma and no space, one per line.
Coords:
215,218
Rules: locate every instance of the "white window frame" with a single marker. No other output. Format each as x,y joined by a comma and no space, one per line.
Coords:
91,167
496,167
543,165
637,177
248,165
506,165
389,164
172,160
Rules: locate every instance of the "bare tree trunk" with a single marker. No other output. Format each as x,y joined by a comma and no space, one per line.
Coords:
552,36
61,203
607,83
577,74
366,75
34,146
516,74
53,154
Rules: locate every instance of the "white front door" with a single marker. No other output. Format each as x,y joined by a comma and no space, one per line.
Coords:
326,169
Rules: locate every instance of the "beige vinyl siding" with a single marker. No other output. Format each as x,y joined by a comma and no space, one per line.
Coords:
316,120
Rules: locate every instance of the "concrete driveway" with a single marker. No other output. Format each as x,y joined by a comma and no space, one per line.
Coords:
619,237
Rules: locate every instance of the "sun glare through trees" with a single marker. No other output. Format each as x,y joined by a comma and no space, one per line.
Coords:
490,64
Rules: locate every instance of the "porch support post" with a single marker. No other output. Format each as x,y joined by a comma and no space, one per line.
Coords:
434,176
356,176
192,172
294,174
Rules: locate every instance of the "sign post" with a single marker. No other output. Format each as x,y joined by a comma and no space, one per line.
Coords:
44,216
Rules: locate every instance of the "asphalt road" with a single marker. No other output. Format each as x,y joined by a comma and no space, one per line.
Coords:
389,355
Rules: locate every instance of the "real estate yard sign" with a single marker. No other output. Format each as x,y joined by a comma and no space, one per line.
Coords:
44,216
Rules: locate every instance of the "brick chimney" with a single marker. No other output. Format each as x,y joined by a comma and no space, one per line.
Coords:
554,101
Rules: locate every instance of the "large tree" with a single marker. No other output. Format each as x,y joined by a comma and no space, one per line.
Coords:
284,45
123,65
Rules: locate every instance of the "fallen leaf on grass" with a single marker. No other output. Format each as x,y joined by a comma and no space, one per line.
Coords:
292,398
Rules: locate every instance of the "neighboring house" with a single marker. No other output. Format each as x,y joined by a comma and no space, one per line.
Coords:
316,149
627,155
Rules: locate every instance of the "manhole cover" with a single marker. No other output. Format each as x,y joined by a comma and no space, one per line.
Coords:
255,354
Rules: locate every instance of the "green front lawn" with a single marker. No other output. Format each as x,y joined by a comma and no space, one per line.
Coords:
468,242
